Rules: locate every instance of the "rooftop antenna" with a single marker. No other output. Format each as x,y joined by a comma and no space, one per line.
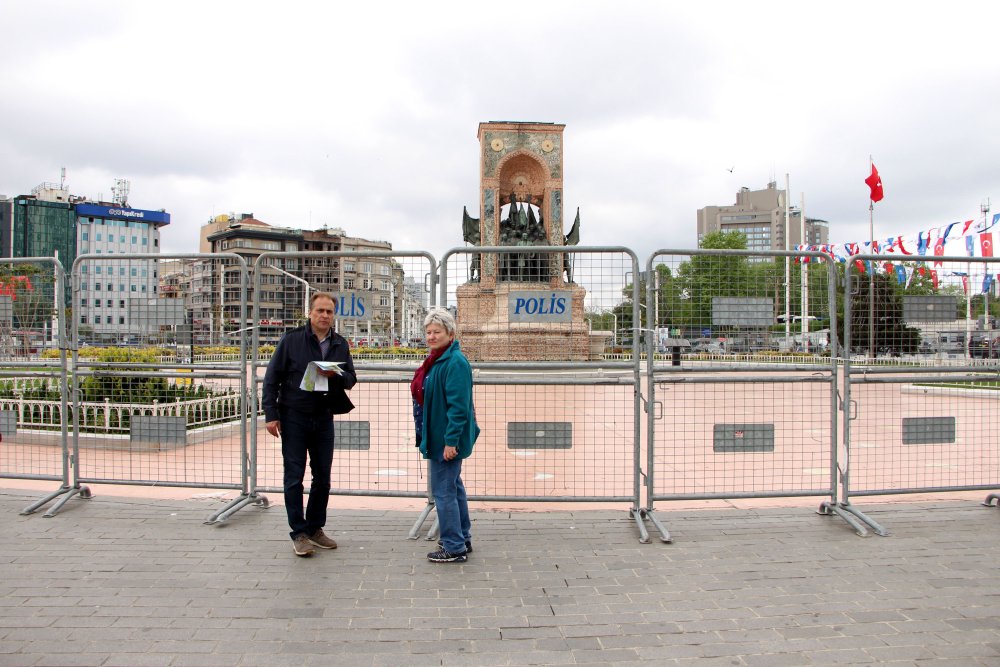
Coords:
62,178
119,192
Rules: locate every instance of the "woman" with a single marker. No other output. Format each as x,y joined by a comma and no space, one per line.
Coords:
446,427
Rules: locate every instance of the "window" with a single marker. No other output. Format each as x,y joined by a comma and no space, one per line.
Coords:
121,303
111,288
108,319
384,270
121,319
368,267
97,270
383,300
349,266
348,283
134,240
111,303
85,236
83,319
83,303
133,287
143,240
98,236
385,286
134,271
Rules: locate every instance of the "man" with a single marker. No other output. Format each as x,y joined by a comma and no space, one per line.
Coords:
304,419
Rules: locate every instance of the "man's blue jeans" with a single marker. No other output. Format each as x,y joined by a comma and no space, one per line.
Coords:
305,434
452,504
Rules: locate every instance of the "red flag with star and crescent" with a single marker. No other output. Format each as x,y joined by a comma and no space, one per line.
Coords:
986,244
874,182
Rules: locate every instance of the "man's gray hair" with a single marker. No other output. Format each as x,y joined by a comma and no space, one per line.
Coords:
442,317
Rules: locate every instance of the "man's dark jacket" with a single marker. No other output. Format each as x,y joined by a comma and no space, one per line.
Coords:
284,375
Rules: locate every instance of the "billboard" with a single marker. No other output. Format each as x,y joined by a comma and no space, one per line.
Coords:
122,213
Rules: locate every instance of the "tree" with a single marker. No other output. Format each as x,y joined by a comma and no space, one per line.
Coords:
887,330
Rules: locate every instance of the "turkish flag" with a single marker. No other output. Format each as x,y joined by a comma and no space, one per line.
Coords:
875,183
986,243
934,278
939,249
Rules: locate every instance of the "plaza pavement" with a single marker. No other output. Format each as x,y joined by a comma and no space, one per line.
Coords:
116,580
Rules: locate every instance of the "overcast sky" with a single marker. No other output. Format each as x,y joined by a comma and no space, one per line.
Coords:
364,115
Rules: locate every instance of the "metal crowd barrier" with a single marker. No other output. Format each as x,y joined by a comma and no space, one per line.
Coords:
926,423
731,405
721,428
32,320
373,445
560,422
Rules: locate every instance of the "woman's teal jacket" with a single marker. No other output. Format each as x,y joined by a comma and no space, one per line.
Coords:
449,414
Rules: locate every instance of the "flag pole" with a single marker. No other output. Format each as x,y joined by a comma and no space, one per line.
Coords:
788,269
871,272
987,323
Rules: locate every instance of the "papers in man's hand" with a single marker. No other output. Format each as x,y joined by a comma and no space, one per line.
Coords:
313,381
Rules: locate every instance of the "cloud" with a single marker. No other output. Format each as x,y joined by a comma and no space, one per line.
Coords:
365,116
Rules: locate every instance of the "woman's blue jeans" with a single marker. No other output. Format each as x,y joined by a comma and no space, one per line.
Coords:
452,504
303,435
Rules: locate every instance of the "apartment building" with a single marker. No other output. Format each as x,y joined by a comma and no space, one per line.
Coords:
285,282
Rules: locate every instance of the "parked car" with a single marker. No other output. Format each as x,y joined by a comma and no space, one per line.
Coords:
981,347
706,346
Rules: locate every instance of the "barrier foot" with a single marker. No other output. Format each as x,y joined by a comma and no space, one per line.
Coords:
236,505
988,502
432,534
855,518
83,491
415,531
643,535
879,530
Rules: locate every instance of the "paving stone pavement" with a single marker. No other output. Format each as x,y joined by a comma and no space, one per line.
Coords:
126,581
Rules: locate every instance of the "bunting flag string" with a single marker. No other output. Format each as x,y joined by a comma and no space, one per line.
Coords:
940,241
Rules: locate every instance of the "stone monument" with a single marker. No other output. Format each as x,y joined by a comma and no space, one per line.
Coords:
522,305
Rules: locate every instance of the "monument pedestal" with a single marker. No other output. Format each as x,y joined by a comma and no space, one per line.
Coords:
488,334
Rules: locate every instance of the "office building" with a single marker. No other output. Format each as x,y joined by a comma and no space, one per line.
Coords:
760,216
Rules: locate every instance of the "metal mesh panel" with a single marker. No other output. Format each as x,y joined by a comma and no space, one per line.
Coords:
923,376
711,438
158,393
738,348
598,464
32,377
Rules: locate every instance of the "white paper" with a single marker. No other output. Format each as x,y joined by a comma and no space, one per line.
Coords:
313,381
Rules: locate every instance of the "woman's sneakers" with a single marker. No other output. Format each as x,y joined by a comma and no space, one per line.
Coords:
468,546
444,556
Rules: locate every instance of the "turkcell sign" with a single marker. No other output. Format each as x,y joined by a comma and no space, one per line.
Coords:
351,306
118,213
537,306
